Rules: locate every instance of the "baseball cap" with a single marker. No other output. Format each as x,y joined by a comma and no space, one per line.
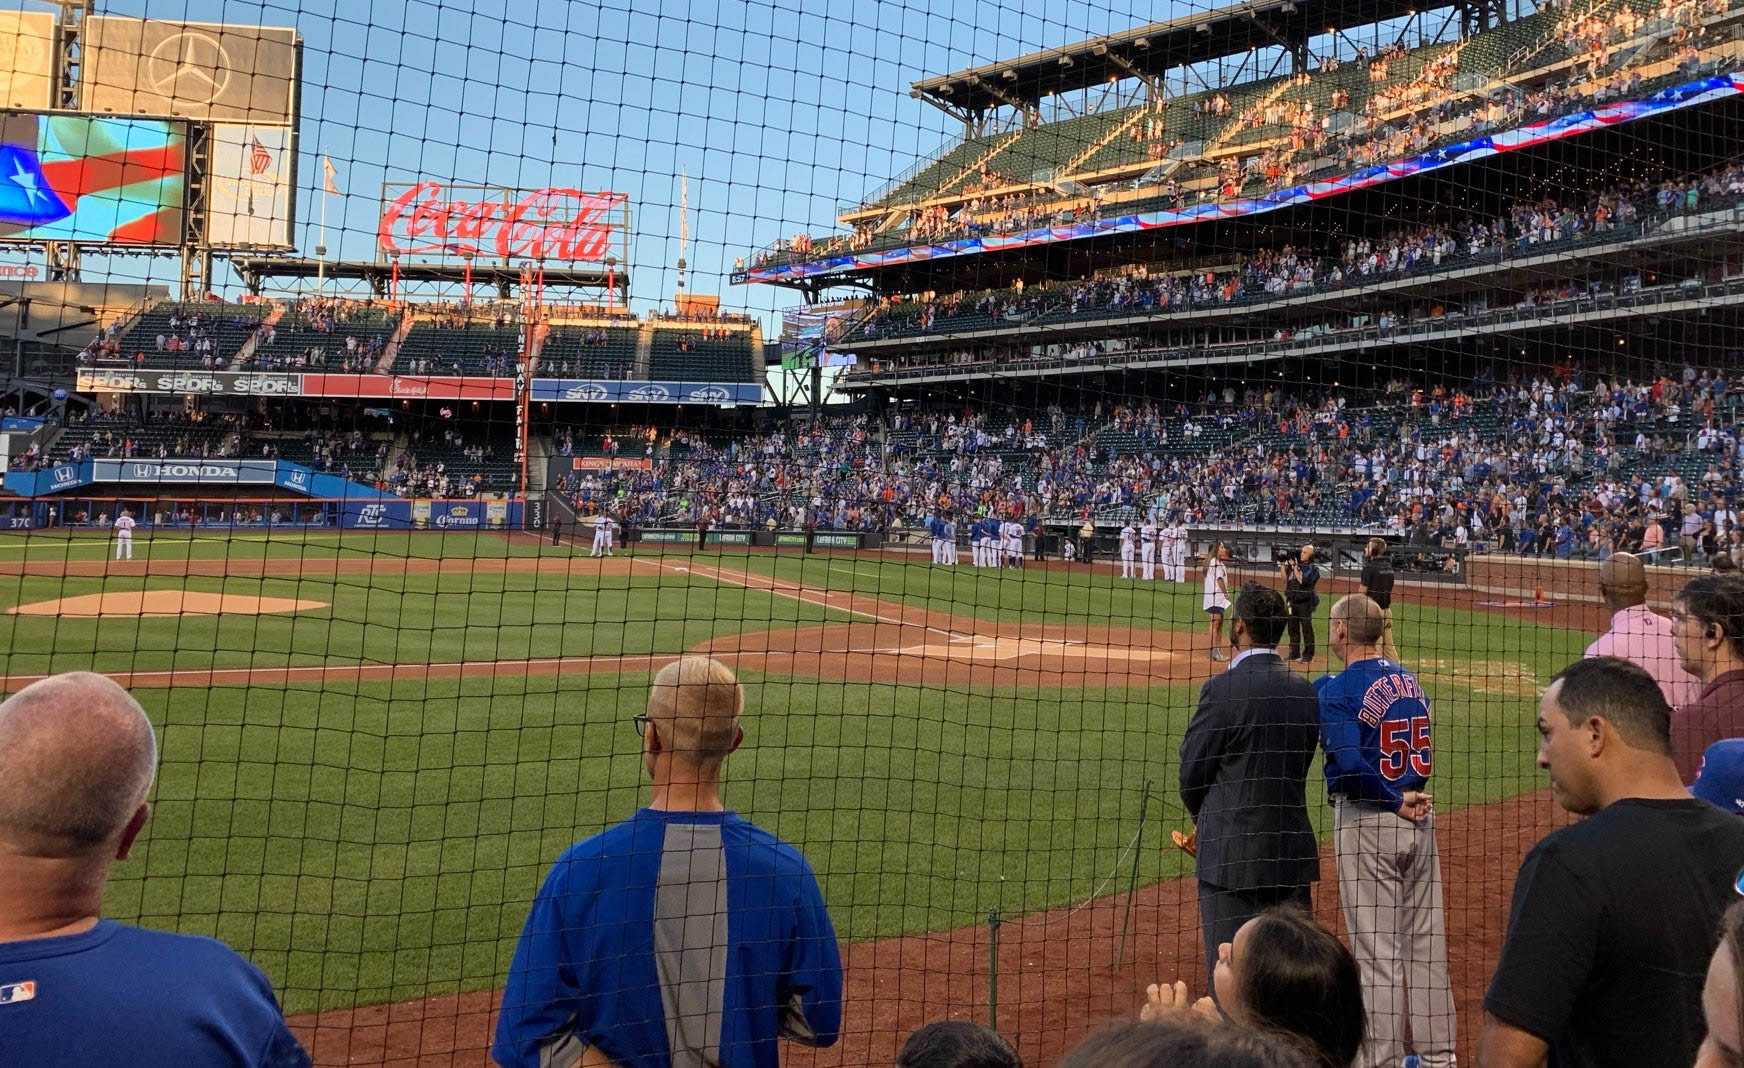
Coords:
1720,781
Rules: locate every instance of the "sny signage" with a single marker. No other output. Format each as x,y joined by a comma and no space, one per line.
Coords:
541,224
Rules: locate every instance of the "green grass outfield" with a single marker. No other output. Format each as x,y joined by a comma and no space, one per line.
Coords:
373,841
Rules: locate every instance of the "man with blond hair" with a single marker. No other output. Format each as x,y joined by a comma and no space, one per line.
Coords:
683,936
77,757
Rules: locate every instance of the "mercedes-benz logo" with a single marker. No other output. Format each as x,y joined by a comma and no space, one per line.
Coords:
188,67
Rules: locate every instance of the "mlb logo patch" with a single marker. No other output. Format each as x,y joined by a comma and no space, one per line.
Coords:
12,993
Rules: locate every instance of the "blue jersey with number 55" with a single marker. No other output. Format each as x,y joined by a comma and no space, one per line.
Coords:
1374,726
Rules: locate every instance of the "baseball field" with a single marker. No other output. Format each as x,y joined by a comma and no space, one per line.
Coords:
373,744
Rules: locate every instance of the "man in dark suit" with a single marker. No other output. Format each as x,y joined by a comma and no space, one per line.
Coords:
1244,775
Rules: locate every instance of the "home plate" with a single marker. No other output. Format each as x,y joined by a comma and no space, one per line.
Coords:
994,649
138,603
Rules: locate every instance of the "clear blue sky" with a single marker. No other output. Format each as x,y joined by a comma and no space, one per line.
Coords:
779,111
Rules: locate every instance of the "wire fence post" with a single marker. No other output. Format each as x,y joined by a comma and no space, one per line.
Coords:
993,967
1144,802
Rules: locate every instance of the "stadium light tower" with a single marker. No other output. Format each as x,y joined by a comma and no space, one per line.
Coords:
62,257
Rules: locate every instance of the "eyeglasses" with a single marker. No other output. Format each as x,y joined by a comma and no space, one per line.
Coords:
640,720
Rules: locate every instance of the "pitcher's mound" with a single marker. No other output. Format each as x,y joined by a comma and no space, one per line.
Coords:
163,603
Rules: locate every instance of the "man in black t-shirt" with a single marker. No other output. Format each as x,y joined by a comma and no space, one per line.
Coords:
1613,917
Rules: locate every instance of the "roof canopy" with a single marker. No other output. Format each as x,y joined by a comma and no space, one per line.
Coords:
1151,50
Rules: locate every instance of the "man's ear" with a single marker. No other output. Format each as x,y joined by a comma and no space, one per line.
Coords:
738,739
1598,735
134,826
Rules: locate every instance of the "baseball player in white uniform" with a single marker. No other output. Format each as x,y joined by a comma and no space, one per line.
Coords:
124,535
1175,538
1128,549
1013,543
602,535
1147,550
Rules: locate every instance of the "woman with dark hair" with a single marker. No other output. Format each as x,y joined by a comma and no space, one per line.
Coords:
1377,583
1179,1041
1723,996
1283,973
957,1044
1216,600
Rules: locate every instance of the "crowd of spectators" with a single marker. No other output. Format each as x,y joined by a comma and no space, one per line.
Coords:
1399,119
1267,273
1573,465
348,353
185,331
410,476
115,434
347,453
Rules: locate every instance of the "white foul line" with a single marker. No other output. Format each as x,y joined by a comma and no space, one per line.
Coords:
794,592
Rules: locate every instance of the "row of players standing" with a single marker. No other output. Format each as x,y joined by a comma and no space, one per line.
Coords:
992,542
1150,541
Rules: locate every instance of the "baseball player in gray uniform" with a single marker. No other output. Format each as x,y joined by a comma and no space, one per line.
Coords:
1374,726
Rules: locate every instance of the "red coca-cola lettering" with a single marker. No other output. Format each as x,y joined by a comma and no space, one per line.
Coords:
547,224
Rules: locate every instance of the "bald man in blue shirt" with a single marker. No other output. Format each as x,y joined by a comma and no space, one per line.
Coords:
683,936
77,757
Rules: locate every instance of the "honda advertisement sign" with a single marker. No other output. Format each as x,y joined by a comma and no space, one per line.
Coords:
225,472
205,383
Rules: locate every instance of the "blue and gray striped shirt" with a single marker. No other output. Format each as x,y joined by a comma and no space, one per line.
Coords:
689,939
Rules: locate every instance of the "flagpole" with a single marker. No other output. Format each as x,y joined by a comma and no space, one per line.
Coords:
321,242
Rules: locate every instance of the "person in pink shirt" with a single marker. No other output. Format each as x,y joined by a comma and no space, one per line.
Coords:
1639,634
1653,537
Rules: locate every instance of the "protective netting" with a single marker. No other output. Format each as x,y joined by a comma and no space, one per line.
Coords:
396,390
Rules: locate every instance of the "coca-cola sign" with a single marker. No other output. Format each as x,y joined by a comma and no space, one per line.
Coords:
566,225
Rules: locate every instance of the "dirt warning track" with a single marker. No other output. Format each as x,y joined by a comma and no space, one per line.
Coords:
1058,976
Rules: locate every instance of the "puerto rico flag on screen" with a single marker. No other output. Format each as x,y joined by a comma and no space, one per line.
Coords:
94,180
